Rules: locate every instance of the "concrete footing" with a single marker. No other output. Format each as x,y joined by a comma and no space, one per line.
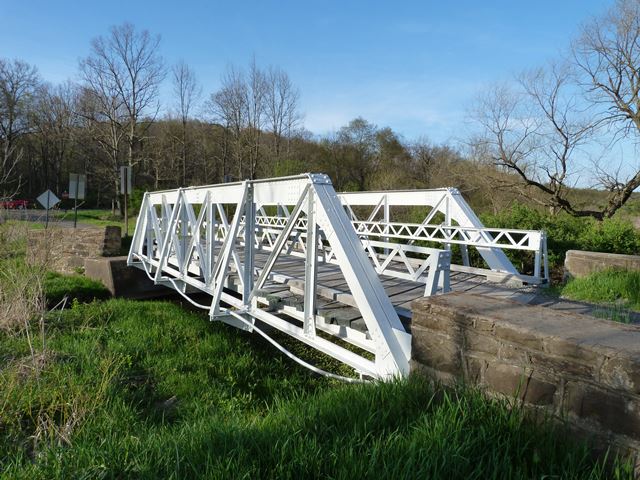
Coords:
123,281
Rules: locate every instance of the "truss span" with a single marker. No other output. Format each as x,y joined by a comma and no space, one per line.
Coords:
290,253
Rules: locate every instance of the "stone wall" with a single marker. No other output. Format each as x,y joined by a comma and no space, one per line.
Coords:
578,368
65,249
580,263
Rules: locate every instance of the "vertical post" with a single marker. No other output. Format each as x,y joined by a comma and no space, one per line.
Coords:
311,268
46,222
150,230
447,221
75,208
386,222
249,244
125,174
545,257
465,255
184,229
209,238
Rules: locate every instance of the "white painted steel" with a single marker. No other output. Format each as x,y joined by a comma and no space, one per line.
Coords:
467,232
196,238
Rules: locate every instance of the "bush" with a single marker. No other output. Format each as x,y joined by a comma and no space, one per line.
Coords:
565,232
83,289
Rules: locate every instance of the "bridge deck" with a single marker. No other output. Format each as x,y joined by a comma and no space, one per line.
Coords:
335,304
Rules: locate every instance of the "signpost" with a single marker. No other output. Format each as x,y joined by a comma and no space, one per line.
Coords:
125,188
48,200
77,183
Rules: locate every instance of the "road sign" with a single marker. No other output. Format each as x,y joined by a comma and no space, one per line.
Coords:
48,199
77,182
125,180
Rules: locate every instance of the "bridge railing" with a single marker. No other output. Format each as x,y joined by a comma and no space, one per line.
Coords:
393,259
448,220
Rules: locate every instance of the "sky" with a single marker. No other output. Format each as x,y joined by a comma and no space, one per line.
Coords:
414,66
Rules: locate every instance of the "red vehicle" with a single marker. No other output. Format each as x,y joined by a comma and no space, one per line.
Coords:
14,204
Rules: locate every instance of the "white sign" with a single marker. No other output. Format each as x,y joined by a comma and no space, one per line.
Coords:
77,184
125,180
48,199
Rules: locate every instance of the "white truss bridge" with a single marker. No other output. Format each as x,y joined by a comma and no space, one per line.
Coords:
328,269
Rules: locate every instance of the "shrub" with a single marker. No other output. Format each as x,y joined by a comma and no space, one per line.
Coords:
609,286
565,232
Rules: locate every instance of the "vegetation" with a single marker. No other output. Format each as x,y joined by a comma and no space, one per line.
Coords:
566,232
74,287
617,287
122,389
145,390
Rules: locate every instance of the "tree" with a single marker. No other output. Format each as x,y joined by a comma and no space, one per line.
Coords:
281,108
128,64
358,149
18,85
256,92
54,120
187,91
535,132
240,107
228,107
608,55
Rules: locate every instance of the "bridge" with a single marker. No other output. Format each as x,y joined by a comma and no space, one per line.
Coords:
337,271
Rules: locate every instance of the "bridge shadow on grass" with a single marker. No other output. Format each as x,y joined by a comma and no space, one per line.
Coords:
397,430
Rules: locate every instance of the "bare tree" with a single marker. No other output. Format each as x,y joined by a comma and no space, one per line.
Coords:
54,120
536,132
608,55
281,108
128,62
228,106
102,108
256,92
187,91
18,84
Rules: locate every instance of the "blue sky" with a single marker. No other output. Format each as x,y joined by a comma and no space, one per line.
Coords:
414,66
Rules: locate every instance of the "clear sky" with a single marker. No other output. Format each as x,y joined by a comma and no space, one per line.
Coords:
413,66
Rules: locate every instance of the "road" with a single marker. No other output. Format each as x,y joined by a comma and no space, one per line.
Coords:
57,217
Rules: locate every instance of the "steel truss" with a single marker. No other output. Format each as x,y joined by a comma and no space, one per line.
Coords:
198,238
206,239
457,224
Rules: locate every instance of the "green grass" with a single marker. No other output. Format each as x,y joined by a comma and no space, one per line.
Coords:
126,389
618,287
78,287
129,389
100,218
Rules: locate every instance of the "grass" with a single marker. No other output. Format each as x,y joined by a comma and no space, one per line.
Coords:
100,218
612,287
77,287
127,389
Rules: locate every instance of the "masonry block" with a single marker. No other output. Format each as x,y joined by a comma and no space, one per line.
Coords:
578,368
580,263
